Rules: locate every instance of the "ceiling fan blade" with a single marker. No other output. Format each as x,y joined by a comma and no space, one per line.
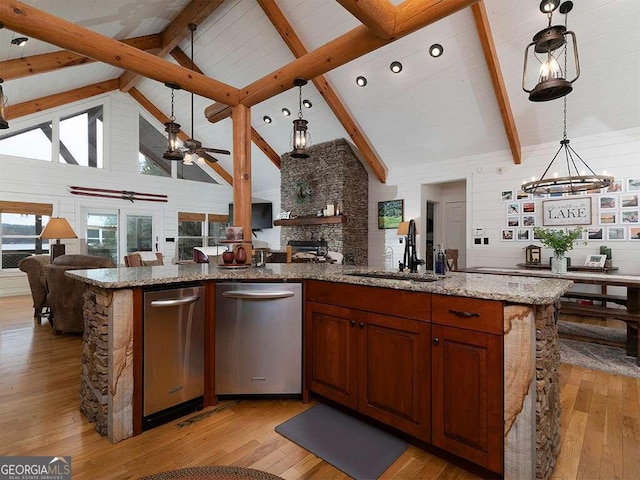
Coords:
215,150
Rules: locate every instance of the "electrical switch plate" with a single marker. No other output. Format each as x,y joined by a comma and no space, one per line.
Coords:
477,241
478,232
485,240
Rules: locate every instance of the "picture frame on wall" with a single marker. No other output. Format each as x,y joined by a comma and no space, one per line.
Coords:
390,214
528,221
633,184
528,207
507,235
629,201
608,218
513,208
524,234
615,187
608,202
594,234
634,233
616,233
507,196
567,211
629,216
513,221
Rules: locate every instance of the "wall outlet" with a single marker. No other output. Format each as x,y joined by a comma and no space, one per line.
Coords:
477,241
485,240
400,239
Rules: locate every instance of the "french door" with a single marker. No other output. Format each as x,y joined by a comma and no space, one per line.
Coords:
114,233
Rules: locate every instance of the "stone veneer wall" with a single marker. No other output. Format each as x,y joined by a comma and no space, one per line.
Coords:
333,173
548,407
95,376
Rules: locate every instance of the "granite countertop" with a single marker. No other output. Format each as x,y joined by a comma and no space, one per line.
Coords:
519,289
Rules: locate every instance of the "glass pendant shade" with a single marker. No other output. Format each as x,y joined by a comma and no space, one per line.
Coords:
301,139
548,45
172,153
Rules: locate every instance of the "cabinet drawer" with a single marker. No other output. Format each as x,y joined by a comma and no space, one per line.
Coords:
390,301
470,313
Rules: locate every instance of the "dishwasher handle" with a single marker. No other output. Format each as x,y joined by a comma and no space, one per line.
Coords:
246,295
173,302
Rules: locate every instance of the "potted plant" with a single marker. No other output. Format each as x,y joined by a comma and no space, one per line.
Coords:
560,241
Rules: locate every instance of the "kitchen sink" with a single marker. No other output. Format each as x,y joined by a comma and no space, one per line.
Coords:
412,277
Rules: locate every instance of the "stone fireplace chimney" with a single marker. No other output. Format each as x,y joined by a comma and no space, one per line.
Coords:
333,174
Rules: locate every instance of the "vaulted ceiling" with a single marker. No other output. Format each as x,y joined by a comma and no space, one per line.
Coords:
435,109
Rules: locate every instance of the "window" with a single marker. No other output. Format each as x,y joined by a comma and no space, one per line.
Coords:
194,231
20,226
80,140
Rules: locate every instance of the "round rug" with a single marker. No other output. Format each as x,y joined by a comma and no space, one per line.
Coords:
213,473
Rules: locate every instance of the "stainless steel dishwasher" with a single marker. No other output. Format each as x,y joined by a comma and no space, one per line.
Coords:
258,338
173,353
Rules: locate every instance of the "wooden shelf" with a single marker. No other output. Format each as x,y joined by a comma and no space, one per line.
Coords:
292,222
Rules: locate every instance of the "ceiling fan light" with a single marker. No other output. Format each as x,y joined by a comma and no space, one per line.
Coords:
188,159
201,160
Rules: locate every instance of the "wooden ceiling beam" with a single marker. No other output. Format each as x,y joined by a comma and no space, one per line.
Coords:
183,59
162,118
379,16
59,99
349,46
491,57
30,21
195,12
47,62
329,94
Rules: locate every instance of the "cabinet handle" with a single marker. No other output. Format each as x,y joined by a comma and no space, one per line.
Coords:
352,322
436,340
461,314
361,324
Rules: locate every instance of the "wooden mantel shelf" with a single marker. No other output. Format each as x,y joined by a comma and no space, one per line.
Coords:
293,222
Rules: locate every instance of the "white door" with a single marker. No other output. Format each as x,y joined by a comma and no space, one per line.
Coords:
455,229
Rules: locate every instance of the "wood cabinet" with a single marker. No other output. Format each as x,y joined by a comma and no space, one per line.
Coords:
467,379
375,363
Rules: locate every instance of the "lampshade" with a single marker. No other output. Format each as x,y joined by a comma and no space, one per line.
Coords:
403,228
58,228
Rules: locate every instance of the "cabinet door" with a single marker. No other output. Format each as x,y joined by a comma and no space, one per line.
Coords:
467,395
394,380
331,349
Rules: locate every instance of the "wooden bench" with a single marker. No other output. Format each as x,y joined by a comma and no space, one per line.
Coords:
598,297
631,319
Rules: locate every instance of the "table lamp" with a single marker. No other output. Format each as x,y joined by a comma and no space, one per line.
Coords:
57,228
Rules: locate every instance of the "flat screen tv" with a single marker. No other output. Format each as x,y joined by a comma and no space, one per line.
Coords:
261,215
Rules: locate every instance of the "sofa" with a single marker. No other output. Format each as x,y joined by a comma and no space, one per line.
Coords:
34,267
66,294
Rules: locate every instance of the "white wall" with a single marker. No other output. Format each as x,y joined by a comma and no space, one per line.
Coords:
618,153
48,182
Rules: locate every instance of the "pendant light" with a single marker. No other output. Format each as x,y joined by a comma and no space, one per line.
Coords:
172,128
574,181
550,43
3,102
301,139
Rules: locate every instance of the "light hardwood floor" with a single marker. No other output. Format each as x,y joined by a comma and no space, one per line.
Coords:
39,384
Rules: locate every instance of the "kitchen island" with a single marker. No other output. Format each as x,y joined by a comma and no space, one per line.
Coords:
514,317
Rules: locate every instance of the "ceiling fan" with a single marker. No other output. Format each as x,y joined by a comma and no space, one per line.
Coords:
192,149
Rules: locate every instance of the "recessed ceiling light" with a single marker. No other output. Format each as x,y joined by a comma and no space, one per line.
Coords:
286,112
266,119
307,103
19,41
361,81
436,50
396,67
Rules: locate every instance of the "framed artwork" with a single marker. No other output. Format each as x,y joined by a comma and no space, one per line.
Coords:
513,221
507,196
528,221
633,184
595,261
528,207
507,235
608,218
513,208
629,216
629,201
390,213
566,211
522,195
615,187
594,234
634,233
524,234
616,233
608,202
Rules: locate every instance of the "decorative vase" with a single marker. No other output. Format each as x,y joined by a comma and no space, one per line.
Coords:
558,263
228,256
241,255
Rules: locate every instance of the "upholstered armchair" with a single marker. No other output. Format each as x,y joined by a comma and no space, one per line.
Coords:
144,259
34,267
66,294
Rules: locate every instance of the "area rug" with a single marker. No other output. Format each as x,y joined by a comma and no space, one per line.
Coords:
593,356
216,472
357,448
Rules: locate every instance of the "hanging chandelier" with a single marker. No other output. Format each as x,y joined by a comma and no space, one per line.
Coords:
576,180
172,128
301,139
550,43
